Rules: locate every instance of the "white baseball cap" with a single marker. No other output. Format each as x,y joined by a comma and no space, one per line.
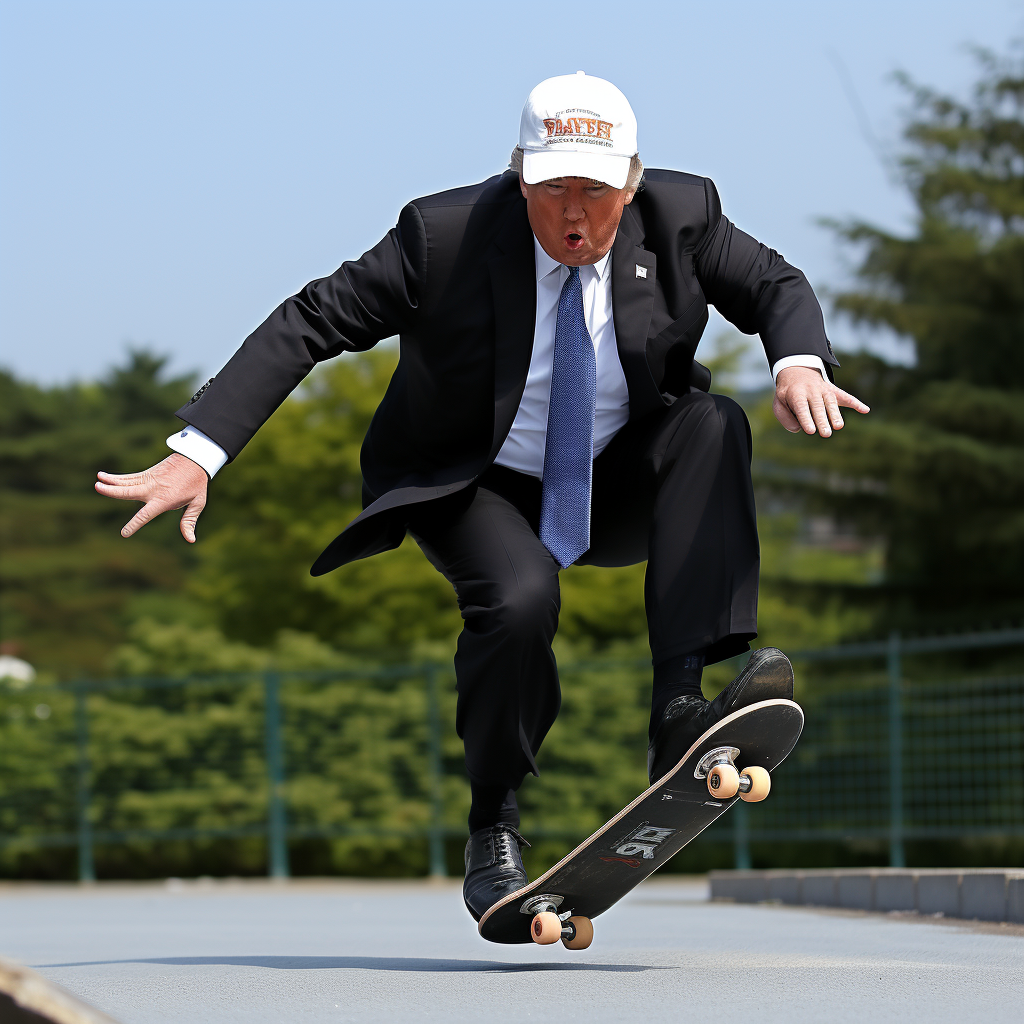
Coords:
577,126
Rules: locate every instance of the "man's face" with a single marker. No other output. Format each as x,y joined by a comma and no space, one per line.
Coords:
574,219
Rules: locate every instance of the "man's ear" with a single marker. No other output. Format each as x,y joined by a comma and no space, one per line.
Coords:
522,187
629,198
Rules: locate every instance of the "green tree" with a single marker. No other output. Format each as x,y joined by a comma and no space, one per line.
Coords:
70,584
937,470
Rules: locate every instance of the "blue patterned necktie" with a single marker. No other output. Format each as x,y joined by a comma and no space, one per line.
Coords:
569,445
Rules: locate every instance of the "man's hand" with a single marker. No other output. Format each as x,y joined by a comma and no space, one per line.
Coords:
804,400
176,482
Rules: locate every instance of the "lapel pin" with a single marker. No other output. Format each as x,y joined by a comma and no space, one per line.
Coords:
641,272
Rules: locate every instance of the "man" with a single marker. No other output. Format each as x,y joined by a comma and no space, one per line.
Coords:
546,410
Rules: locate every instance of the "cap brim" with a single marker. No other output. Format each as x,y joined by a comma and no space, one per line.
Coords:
548,164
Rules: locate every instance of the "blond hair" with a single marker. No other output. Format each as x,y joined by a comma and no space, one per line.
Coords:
633,179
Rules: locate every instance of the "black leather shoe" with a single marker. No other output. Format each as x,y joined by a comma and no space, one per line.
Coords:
494,867
767,675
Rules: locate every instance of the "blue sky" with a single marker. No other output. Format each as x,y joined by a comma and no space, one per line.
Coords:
170,171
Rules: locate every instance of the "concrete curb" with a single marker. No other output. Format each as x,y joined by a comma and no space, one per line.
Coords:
983,894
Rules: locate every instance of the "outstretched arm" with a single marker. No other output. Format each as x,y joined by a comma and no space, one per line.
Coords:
363,302
756,290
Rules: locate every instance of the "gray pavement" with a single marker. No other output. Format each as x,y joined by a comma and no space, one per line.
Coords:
402,951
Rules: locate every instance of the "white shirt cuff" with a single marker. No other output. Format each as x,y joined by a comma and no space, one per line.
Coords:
203,451
812,362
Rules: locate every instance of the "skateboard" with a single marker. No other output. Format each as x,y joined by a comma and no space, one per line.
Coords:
730,762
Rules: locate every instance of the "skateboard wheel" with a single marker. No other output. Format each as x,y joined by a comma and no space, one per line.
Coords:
760,784
545,928
584,933
723,781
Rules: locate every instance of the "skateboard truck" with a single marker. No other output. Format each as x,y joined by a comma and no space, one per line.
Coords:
539,904
724,780
549,926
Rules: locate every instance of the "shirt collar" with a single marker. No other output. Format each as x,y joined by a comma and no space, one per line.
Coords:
546,265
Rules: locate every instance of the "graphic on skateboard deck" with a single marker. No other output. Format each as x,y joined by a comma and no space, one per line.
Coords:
730,762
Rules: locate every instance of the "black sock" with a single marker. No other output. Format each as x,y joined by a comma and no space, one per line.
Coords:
491,805
675,677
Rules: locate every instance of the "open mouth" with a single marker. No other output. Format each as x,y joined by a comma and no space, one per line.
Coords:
573,240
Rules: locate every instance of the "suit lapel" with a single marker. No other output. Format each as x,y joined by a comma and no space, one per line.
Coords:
634,271
514,288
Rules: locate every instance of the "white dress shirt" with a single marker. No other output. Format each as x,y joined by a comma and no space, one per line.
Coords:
195,445
523,449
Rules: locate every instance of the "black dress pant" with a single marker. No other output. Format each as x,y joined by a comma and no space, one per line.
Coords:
673,488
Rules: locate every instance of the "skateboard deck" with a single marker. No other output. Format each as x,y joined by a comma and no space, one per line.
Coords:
653,828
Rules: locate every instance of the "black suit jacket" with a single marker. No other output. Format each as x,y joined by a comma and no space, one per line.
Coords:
456,281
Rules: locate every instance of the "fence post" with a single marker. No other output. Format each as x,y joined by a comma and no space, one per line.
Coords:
740,837
277,825
438,868
83,795
896,853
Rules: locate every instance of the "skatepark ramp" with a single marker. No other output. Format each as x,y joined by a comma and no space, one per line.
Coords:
28,998
970,894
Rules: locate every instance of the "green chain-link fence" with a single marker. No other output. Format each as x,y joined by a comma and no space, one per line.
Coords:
905,740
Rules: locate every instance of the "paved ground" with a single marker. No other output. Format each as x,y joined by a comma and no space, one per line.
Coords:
349,951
